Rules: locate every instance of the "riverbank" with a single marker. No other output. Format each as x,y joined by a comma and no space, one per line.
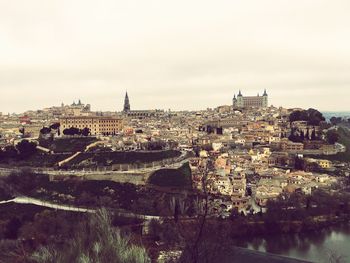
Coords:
329,244
243,229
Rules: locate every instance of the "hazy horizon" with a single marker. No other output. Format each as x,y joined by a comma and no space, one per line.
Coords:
182,55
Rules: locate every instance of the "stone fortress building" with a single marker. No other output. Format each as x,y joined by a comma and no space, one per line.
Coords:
241,101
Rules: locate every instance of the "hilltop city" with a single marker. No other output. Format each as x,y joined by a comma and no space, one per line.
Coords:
246,168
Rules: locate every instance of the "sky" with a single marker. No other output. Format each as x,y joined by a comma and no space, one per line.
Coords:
183,54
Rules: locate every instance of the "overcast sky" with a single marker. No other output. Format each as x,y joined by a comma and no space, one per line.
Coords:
183,54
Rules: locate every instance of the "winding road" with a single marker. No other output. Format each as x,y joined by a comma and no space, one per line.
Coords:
33,201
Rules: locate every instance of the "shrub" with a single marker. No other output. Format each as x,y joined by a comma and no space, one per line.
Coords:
172,177
95,241
26,148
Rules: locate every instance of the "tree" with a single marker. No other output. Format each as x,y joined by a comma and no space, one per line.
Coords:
332,136
71,131
155,145
85,132
312,116
335,120
294,137
299,163
313,135
22,130
194,245
26,148
295,116
25,181
307,135
12,228
45,130
155,229
55,126
9,152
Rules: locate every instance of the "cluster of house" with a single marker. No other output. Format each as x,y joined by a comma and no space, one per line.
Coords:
254,161
28,124
252,158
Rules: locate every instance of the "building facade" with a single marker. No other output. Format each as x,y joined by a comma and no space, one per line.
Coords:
250,101
98,125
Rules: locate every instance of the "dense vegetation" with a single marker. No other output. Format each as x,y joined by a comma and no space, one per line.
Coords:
172,177
94,241
141,200
75,131
339,120
332,136
35,160
299,136
91,238
289,214
343,137
312,116
25,153
81,193
71,144
22,150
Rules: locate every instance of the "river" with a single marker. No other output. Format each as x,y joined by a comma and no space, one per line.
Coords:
315,247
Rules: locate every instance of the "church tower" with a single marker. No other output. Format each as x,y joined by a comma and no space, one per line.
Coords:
240,101
126,103
265,99
234,101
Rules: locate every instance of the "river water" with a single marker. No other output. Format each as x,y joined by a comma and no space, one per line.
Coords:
315,247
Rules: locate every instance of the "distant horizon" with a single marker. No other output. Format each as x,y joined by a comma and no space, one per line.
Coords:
165,109
174,54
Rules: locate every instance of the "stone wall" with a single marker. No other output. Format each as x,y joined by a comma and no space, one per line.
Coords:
120,177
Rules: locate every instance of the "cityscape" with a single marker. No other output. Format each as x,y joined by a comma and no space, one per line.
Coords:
234,167
194,132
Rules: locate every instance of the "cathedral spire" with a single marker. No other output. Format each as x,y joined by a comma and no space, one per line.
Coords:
126,103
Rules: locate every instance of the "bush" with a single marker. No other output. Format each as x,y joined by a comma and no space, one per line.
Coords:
332,136
25,181
26,148
172,177
95,241
45,130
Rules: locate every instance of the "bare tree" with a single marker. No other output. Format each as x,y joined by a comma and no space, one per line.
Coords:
335,257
